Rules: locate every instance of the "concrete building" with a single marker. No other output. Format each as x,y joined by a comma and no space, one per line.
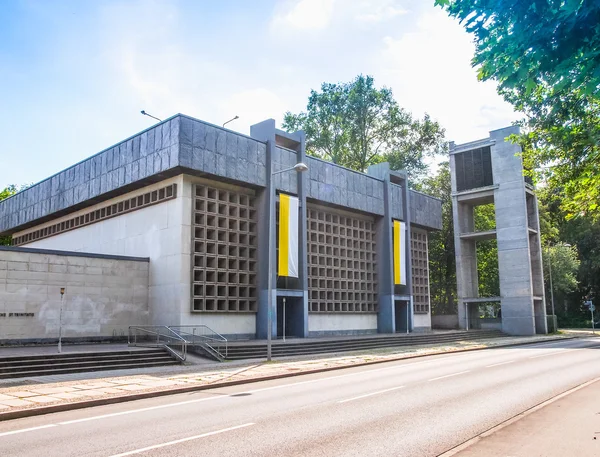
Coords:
192,198
490,171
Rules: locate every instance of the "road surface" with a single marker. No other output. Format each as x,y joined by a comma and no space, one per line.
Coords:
418,407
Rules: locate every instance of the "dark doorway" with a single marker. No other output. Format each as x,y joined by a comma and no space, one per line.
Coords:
402,318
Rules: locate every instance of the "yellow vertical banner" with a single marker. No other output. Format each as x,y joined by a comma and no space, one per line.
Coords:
399,253
288,236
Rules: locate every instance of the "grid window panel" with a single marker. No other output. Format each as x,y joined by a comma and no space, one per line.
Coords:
342,272
224,251
420,271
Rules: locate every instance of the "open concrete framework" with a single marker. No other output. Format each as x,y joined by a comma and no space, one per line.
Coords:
192,198
490,171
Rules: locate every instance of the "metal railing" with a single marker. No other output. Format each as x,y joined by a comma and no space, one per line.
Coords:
158,336
205,337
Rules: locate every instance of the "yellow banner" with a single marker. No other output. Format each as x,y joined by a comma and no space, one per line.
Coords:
399,253
288,236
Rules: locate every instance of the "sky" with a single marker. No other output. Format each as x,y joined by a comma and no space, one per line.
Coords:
74,75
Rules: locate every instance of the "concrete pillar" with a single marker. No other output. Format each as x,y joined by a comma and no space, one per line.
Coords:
386,320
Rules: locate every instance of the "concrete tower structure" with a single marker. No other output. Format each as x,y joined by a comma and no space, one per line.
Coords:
490,171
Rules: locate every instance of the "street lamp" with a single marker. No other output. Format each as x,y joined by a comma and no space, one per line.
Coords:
230,120
300,167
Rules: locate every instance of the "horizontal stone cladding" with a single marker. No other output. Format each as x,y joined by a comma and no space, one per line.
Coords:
342,273
224,250
182,143
221,152
146,154
114,209
331,183
420,270
425,210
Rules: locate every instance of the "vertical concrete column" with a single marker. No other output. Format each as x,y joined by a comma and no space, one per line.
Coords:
537,267
514,261
300,317
386,319
406,204
265,131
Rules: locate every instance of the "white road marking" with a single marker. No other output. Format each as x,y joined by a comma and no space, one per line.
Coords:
559,352
183,440
449,375
371,394
151,408
14,432
498,364
132,411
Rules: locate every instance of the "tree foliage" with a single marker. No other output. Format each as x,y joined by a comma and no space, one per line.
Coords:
562,260
7,192
356,125
442,261
545,56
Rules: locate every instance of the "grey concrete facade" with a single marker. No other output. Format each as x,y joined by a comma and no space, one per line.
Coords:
186,151
521,297
103,294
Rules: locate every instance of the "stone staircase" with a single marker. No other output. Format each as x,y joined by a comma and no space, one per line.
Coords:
78,362
308,346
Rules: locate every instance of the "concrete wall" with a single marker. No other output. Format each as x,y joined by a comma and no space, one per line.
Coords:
103,295
345,324
445,321
155,232
422,321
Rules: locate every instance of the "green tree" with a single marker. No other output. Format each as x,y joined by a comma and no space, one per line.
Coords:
442,261
356,125
7,192
487,252
545,56
563,260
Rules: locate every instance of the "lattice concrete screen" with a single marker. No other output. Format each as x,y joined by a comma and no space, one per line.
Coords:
420,271
224,250
341,263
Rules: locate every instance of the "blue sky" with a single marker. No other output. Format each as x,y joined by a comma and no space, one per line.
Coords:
74,75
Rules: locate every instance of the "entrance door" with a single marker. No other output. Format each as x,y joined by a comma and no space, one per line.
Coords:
402,318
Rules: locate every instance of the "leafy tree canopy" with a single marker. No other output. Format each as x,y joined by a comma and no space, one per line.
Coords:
545,56
356,125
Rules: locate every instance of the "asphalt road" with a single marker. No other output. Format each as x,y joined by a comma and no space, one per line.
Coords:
418,407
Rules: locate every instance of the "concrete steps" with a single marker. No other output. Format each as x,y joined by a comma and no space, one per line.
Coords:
250,350
52,364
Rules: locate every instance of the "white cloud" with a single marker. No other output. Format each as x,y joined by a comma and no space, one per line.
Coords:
374,11
304,15
429,71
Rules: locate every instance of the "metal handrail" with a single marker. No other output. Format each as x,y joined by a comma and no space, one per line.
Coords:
158,336
205,336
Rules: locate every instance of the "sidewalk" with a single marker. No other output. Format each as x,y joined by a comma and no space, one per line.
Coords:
30,396
569,426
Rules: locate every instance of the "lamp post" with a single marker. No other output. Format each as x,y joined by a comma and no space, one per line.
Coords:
62,294
230,120
300,167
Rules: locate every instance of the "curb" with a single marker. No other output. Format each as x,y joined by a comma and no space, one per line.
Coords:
10,415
